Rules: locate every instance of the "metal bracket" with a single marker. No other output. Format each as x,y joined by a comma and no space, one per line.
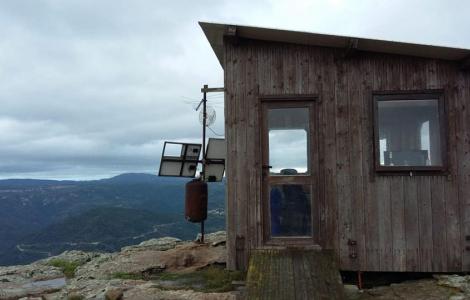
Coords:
352,248
351,48
231,35
212,90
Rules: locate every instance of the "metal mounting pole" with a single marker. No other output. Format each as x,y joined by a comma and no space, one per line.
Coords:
204,117
205,90
204,122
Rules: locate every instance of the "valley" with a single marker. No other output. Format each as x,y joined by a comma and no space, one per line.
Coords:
41,218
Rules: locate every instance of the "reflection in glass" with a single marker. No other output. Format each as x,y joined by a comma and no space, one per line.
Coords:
290,210
409,133
288,139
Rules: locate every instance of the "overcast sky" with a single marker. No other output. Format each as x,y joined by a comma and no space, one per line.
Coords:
91,88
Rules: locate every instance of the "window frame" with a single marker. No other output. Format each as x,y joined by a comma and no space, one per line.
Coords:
411,95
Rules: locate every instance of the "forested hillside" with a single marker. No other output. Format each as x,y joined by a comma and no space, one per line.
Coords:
39,218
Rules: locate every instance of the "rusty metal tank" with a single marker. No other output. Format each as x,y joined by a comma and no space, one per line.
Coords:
196,201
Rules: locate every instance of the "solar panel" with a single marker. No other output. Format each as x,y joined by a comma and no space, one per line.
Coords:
179,159
215,160
216,149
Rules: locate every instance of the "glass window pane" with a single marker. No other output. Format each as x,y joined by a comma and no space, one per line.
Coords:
409,133
290,210
288,140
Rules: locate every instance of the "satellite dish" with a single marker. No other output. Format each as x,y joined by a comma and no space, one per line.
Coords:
210,116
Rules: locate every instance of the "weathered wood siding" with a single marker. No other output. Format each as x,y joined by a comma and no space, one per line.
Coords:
400,223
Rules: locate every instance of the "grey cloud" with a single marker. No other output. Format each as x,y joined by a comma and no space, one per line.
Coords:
97,85
93,88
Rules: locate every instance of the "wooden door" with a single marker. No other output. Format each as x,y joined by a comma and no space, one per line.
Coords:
289,172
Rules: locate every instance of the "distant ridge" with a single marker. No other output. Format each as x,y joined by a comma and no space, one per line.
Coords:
132,177
143,178
33,182
125,178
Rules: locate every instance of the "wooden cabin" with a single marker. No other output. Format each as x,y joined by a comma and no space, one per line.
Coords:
357,145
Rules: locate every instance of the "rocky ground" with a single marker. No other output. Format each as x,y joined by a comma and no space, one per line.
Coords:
133,273
451,287
168,268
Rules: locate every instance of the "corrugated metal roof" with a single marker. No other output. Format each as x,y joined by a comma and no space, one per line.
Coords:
215,34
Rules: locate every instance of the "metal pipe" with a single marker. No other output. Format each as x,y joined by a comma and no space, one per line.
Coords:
204,117
360,281
204,122
202,232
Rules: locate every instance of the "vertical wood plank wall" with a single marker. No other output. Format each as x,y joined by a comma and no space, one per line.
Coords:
400,223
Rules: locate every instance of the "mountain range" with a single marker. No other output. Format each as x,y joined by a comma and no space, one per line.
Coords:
40,218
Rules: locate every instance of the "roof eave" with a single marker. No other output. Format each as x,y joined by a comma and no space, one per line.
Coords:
215,34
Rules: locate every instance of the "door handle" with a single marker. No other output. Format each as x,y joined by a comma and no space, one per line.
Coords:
266,167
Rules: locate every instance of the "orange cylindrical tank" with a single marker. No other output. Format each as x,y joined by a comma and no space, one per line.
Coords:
196,201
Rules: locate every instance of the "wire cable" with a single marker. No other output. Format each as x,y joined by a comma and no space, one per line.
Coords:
214,131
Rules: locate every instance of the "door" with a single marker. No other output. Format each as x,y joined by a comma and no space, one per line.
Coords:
289,172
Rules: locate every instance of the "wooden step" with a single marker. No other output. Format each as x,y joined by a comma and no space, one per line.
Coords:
293,274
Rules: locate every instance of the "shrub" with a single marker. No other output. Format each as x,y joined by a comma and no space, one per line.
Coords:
67,267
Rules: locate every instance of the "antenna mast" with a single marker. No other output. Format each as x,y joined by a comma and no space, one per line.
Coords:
204,122
204,92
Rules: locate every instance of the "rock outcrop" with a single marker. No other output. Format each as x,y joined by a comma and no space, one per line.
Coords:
123,275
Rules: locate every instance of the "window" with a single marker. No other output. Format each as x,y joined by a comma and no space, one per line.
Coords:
409,132
288,139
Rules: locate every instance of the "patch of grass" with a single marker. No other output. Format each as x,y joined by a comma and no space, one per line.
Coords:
220,280
67,267
124,275
211,279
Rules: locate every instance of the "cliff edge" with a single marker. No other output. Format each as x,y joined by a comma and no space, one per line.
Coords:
164,268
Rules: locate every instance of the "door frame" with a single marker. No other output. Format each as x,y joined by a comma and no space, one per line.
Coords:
312,179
